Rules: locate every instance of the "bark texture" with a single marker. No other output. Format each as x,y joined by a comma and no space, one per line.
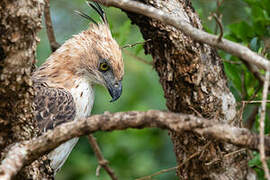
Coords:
194,82
19,24
191,75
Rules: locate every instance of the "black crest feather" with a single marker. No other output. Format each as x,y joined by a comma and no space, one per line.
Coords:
97,8
85,16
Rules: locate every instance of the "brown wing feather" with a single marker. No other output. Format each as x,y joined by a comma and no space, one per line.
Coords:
52,106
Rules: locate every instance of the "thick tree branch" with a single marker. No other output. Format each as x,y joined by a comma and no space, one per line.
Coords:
26,152
231,47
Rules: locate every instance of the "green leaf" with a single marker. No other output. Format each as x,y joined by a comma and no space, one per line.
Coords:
257,13
242,30
266,5
255,161
254,45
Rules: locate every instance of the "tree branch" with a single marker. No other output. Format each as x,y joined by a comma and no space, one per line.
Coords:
48,21
262,118
231,47
101,161
26,152
219,24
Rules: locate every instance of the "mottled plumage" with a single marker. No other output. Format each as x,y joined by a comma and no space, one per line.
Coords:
53,106
64,83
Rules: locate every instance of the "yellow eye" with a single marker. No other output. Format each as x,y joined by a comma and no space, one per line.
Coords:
103,67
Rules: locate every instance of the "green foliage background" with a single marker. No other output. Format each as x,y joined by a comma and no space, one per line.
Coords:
137,153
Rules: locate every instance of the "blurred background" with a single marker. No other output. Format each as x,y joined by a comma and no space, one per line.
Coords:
137,153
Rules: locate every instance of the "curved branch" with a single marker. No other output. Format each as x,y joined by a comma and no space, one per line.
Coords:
49,28
24,153
231,47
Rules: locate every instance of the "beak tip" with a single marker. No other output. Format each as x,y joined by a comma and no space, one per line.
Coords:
111,101
115,93
114,98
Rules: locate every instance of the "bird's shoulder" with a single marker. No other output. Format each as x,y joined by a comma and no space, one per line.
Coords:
52,106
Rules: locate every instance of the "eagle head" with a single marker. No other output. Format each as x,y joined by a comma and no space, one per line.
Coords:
103,62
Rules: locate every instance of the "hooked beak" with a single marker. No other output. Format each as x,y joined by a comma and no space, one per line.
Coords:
115,90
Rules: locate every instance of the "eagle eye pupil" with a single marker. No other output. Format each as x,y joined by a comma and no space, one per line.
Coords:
104,67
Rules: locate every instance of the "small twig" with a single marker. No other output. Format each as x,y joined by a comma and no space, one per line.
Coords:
262,118
225,156
253,115
137,58
176,167
239,120
196,112
158,173
98,170
231,62
257,90
255,101
234,152
218,21
101,161
48,21
251,99
219,3
135,44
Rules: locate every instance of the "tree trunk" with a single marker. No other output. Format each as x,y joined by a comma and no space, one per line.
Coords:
19,23
191,75
193,80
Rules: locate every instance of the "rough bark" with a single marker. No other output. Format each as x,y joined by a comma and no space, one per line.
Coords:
19,24
193,81
191,74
